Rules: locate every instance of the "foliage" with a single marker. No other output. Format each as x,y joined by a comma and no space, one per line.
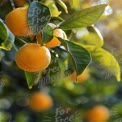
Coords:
81,47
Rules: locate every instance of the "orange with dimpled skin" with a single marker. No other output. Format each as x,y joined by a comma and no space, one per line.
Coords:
32,57
17,22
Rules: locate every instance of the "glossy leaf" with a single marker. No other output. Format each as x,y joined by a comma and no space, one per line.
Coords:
38,16
83,18
106,60
74,4
93,38
53,8
47,34
54,70
79,56
62,4
32,78
6,37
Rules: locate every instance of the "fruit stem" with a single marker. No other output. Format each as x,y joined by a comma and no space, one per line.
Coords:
39,38
12,4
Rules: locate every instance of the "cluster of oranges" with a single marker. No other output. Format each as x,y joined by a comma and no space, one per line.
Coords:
40,101
31,57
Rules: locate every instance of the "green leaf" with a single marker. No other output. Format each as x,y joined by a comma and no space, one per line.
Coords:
3,30
54,70
47,34
1,54
53,8
6,37
106,60
75,4
83,18
38,16
79,56
94,37
62,4
32,78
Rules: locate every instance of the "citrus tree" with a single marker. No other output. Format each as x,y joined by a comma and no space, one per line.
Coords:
47,49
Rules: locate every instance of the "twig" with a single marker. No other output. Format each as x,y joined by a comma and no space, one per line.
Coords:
12,4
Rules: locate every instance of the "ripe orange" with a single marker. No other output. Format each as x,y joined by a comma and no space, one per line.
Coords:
59,33
32,57
20,2
82,77
98,114
17,22
55,41
40,101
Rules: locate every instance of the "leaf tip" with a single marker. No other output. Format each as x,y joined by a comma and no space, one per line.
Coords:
66,11
118,77
30,87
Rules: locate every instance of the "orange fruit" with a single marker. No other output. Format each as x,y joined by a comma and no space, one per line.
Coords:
32,57
20,2
59,33
82,77
40,101
54,42
17,22
98,114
